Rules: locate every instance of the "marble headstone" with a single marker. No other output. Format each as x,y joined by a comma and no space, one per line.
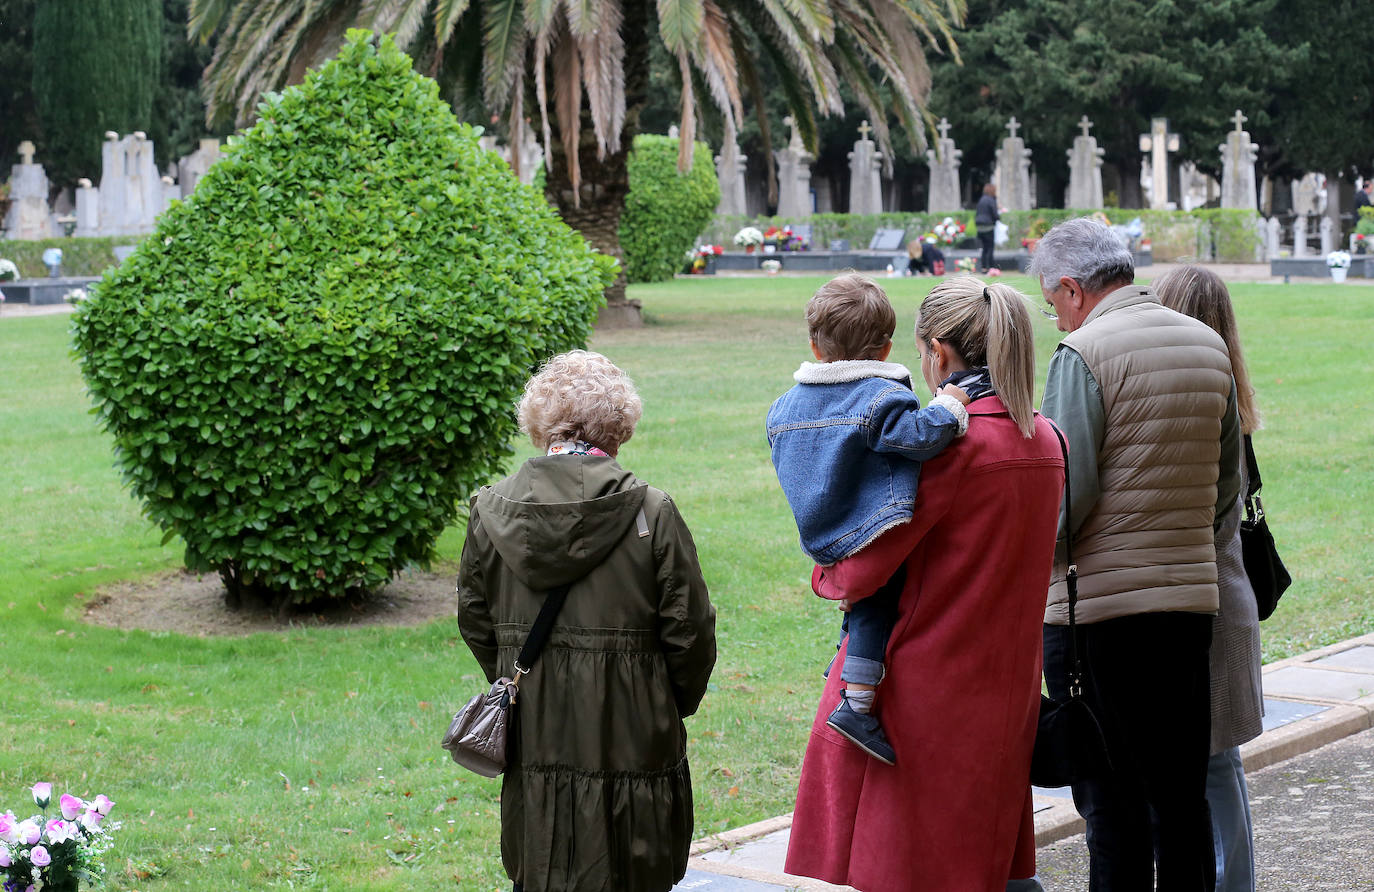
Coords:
865,177
1328,232
87,209
1300,236
1085,170
944,173
194,166
29,217
730,174
1013,172
1272,234
1158,143
1238,168
794,176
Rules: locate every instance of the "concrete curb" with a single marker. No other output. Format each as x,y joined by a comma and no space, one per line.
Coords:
1338,719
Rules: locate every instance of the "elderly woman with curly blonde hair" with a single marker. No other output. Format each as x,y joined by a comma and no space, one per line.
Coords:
596,794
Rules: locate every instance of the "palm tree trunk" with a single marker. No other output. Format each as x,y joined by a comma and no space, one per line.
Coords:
596,207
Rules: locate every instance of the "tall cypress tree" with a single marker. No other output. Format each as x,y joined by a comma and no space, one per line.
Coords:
96,67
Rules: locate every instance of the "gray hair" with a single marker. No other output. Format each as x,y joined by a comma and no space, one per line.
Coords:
1084,250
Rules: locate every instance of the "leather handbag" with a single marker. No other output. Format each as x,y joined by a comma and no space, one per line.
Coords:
1268,576
1069,744
477,736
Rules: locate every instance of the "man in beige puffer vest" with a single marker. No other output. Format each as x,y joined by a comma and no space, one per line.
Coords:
1144,397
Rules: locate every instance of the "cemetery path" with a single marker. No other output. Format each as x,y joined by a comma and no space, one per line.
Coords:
177,601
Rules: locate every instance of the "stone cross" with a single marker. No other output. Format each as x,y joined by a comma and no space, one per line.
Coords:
794,176
1085,170
864,129
730,172
1013,172
1159,142
865,180
943,196
29,217
1238,156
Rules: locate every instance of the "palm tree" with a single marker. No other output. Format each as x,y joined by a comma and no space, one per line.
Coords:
498,55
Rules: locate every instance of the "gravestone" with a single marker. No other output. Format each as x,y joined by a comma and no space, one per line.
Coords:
1085,170
887,240
1307,195
194,166
1158,143
131,194
29,218
87,209
1013,171
170,192
794,176
531,155
944,173
865,178
730,173
1273,230
1238,168
1329,233
1300,236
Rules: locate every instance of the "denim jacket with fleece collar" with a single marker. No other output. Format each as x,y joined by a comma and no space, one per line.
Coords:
847,441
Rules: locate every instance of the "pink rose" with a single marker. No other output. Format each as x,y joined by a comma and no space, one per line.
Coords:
42,794
60,831
5,859
9,828
29,833
39,856
71,806
90,819
103,805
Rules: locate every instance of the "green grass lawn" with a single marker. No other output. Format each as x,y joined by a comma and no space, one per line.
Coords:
309,758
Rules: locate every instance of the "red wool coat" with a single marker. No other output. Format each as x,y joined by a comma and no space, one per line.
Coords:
962,693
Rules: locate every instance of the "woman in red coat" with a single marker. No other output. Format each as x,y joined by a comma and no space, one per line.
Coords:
962,694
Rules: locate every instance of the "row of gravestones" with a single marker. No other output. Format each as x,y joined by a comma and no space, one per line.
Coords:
1011,175
128,200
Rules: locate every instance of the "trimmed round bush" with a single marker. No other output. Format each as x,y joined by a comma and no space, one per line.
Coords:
665,210
317,356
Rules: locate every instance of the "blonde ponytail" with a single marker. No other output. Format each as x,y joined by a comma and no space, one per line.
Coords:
986,325
1011,354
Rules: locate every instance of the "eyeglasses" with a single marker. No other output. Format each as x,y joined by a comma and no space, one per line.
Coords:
1048,311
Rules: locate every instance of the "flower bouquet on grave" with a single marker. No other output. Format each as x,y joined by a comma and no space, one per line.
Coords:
58,854
772,267
1338,260
966,265
749,238
8,271
948,230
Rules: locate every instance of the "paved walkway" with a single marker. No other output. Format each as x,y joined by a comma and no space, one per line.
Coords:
1314,817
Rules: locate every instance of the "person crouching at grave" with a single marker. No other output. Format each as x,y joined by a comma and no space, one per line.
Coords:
597,794
916,261
852,425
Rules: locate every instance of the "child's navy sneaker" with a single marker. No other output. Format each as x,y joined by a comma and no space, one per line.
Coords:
863,730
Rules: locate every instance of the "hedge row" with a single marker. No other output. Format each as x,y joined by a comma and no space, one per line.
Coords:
1204,234
80,256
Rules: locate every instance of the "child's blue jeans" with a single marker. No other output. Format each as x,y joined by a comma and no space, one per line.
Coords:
869,624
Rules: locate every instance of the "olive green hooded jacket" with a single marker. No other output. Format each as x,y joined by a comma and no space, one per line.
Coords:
597,796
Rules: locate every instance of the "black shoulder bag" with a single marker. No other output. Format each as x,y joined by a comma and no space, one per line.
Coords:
1069,745
1268,576
476,737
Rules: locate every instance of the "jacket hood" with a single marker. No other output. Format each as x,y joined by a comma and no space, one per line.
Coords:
558,516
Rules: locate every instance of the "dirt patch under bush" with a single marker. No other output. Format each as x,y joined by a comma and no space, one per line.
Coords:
177,601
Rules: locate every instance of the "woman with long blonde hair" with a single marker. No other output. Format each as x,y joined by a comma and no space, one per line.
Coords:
962,697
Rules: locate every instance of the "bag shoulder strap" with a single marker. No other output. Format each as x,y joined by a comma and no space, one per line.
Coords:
1071,575
539,631
1251,469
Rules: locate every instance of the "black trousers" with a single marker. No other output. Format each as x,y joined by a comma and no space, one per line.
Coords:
1146,679
985,263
